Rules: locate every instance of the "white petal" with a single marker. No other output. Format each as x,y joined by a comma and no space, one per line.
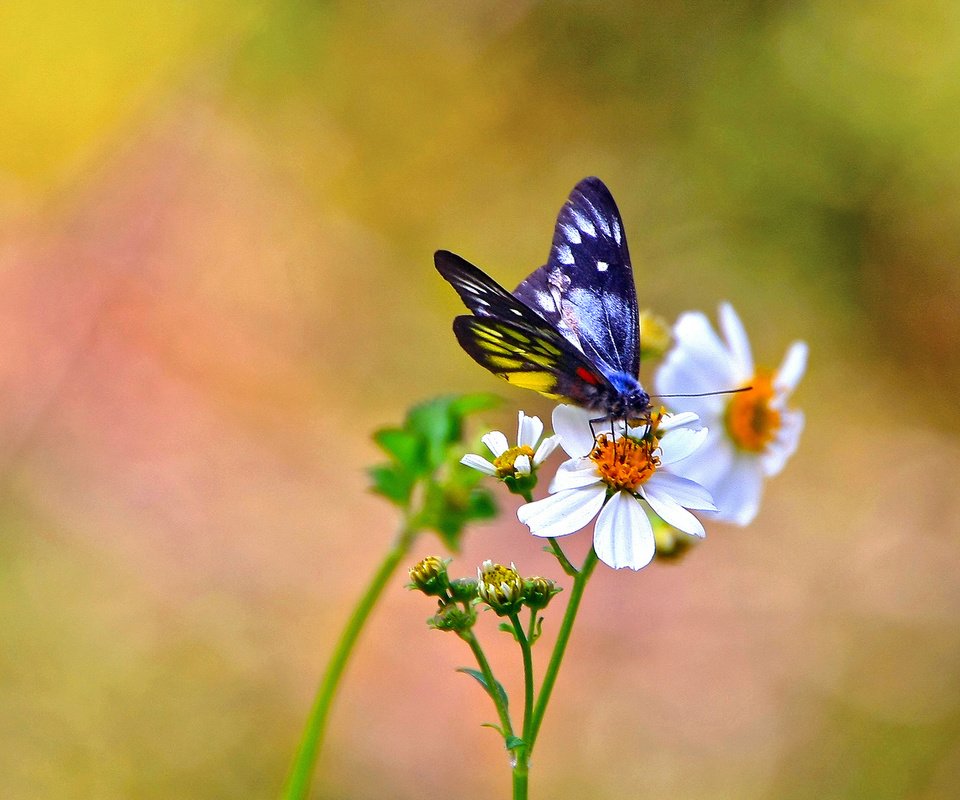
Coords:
737,340
785,443
679,420
708,465
623,536
738,495
522,464
670,512
574,474
702,346
563,512
572,425
529,431
496,442
477,462
545,450
792,367
684,491
680,443
681,374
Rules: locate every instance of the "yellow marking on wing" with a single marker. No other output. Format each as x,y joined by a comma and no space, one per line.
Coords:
501,362
542,382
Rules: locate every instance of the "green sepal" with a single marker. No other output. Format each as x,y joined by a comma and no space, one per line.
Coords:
478,675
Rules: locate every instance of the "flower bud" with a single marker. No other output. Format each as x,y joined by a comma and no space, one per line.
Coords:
537,592
430,576
463,590
672,544
453,617
500,587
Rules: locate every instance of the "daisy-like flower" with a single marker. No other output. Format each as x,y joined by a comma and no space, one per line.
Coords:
623,478
514,462
752,433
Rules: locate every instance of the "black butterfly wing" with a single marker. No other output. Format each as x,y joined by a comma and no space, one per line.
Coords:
533,357
481,293
514,342
586,289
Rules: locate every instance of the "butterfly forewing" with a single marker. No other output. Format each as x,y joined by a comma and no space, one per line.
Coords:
480,293
586,289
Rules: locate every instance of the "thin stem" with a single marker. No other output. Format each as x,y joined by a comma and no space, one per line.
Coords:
524,643
563,636
301,773
520,782
562,558
493,688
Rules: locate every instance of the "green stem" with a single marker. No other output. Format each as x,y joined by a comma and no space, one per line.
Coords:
524,643
520,782
563,636
562,558
301,773
492,686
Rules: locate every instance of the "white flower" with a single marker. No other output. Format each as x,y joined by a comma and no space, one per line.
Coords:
752,433
512,461
623,479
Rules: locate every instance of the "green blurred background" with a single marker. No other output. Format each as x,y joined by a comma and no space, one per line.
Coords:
217,223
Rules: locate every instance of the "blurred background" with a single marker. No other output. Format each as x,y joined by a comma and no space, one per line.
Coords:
217,224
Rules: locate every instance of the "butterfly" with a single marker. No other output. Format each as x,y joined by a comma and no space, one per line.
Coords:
570,330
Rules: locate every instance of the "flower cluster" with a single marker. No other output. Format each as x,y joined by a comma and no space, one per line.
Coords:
499,587
729,427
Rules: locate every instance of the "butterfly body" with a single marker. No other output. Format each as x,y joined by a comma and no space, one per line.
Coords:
570,330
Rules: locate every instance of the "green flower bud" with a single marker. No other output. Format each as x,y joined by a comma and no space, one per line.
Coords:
463,590
430,577
500,587
453,617
537,592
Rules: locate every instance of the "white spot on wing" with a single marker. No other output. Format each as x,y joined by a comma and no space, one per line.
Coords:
564,256
583,223
601,221
616,230
602,266
572,234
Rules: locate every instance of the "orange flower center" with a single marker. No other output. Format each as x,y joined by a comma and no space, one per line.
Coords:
504,463
751,420
625,463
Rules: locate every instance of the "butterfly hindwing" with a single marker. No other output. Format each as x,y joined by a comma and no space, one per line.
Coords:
531,357
586,289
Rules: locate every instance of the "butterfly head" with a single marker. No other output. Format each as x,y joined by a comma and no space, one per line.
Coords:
631,400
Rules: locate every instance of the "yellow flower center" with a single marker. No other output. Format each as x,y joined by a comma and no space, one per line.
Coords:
504,462
751,420
625,463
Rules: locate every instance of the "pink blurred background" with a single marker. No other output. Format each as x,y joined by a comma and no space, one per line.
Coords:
216,280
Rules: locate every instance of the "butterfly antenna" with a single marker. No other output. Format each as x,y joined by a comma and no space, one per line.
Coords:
707,394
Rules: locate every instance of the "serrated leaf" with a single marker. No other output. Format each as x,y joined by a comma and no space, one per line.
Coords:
478,676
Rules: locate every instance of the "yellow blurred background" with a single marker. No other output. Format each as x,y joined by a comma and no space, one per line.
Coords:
217,224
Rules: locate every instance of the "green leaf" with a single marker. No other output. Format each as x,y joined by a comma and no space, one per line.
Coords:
478,676
393,482
406,448
506,627
467,404
513,742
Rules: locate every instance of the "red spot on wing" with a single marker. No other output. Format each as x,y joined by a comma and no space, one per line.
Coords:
588,376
